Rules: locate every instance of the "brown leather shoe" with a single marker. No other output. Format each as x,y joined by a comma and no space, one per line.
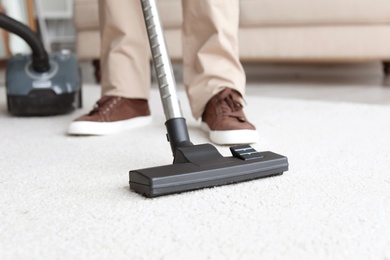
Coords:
225,121
112,115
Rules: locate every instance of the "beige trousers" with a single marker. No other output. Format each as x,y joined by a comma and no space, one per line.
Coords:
210,54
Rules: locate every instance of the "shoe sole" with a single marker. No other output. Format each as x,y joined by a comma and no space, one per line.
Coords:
230,137
107,128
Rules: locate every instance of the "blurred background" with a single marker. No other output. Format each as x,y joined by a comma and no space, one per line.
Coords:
327,50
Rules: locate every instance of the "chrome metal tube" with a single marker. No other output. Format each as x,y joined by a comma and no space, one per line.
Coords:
162,62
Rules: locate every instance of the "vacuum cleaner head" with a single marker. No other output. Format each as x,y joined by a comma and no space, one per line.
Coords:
202,166
32,93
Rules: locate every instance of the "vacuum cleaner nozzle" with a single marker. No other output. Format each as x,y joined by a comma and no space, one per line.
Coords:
202,166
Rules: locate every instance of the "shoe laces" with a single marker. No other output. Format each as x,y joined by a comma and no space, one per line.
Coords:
231,106
105,104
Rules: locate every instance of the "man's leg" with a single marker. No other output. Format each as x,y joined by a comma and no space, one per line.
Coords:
125,72
213,75
124,52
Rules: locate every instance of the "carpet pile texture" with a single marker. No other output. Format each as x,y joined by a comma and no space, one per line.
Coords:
64,197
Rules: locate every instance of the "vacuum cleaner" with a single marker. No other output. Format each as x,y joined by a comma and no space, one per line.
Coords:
194,166
40,84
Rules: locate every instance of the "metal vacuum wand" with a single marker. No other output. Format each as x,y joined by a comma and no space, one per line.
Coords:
163,66
176,125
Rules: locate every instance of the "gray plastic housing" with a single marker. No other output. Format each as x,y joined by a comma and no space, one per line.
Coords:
56,91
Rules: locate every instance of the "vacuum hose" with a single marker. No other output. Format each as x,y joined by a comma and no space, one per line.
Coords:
40,58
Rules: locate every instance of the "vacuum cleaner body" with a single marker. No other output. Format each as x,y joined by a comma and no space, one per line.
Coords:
40,84
56,91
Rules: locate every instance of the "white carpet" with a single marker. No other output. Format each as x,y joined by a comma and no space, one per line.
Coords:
67,197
